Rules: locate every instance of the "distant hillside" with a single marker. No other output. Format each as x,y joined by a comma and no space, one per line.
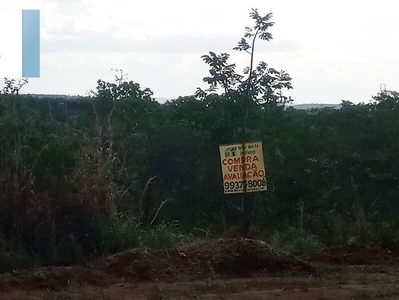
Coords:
55,96
164,99
71,97
316,106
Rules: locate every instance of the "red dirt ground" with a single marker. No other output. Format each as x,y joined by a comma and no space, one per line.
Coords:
357,255
230,257
232,267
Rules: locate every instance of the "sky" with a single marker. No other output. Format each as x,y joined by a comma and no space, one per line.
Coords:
334,50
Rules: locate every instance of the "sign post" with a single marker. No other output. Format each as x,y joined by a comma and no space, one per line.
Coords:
243,167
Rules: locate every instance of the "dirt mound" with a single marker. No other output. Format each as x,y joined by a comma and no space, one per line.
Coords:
357,255
236,257
240,257
52,278
136,264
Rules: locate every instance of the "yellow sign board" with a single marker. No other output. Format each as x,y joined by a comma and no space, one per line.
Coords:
243,168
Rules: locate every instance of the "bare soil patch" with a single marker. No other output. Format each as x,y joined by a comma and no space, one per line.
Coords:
229,257
220,269
357,255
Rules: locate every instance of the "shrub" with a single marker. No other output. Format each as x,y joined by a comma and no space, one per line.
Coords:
296,242
163,235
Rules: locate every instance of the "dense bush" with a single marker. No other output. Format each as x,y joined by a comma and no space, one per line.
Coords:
92,176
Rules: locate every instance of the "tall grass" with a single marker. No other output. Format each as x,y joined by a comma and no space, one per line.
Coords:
163,235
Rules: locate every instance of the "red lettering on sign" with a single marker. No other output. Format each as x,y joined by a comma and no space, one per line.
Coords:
240,160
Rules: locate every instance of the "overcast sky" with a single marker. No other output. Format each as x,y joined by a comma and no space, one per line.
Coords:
334,50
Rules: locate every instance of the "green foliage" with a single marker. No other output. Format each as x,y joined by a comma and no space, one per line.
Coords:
248,95
121,231
71,190
261,85
163,236
108,94
295,241
14,259
13,86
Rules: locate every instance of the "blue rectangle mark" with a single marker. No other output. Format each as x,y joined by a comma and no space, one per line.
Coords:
30,43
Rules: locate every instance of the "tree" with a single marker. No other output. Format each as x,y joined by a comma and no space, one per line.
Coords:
107,94
384,97
13,86
258,86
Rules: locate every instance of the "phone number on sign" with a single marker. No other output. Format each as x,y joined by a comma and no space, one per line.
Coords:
238,185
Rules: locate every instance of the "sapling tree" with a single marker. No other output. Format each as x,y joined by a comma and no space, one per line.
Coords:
258,85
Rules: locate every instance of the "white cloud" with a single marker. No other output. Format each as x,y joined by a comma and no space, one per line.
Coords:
333,49
66,38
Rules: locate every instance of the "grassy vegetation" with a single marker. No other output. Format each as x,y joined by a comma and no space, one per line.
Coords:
93,176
